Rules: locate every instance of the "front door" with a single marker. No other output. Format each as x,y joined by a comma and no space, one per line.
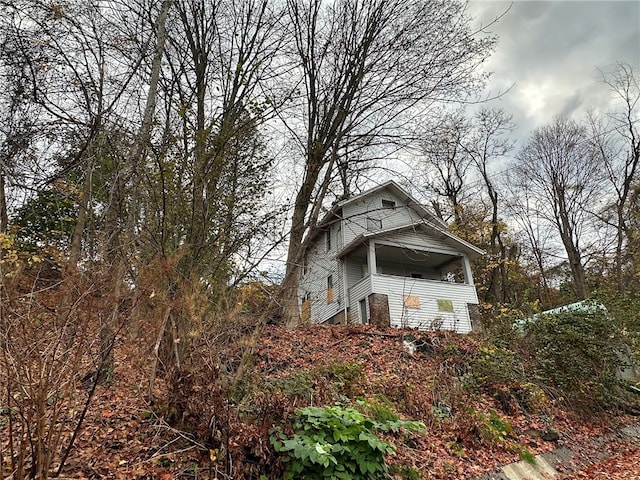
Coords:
364,317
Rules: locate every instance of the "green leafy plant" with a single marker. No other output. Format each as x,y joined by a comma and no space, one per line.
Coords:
496,364
527,456
337,442
327,382
578,353
380,410
495,428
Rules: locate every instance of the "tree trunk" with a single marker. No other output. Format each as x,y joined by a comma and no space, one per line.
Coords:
574,257
115,255
295,252
75,251
4,218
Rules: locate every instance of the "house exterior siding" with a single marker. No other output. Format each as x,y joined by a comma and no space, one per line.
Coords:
355,215
427,316
359,292
420,239
320,264
354,270
401,253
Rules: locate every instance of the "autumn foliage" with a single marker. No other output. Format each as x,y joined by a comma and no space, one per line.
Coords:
207,401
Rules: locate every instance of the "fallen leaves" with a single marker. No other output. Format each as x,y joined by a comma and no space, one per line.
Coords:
123,439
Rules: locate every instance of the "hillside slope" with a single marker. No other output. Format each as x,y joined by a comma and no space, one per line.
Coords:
221,421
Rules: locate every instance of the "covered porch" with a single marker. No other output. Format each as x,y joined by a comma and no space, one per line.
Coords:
409,286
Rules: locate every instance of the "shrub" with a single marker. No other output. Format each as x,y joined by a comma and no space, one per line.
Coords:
46,346
577,353
496,364
336,442
624,310
325,383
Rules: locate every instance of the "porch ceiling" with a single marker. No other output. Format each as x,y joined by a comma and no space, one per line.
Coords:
406,256
412,256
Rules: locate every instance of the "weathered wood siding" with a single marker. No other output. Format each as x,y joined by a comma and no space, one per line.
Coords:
354,270
419,238
360,291
321,264
355,214
426,315
428,292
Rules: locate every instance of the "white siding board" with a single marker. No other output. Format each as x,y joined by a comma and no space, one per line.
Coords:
321,264
428,293
355,214
359,291
354,271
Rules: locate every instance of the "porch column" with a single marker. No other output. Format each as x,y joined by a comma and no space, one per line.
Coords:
371,258
466,269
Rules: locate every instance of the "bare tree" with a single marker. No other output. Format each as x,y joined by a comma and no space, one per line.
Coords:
447,161
536,238
20,115
559,166
220,55
367,68
616,139
488,143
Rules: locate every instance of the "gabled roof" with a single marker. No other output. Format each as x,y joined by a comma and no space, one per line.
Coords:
456,242
394,188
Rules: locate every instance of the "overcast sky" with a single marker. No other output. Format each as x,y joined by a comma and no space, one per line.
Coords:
550,51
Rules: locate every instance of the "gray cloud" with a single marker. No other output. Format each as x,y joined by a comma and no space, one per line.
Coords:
551,53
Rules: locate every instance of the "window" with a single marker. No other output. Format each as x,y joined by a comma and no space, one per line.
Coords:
374,224
411,301
445,305
416,275
330,289
305,314
327,239
388,203
305,265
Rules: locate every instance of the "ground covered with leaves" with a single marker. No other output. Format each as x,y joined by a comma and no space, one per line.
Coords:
217,417
616,461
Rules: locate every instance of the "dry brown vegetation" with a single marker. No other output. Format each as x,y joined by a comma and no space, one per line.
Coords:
211,414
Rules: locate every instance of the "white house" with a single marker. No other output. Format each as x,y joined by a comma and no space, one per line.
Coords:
382,258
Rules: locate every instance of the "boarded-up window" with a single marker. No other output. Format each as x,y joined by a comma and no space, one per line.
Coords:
388,203
411,301
445,305
306,311
330,289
